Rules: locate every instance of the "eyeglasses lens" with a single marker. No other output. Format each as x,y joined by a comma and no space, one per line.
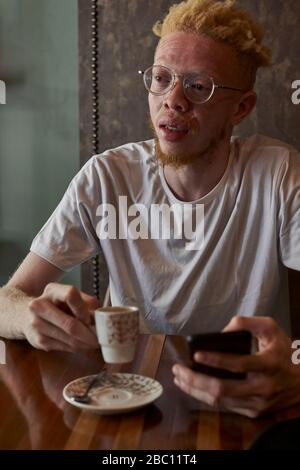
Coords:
159,80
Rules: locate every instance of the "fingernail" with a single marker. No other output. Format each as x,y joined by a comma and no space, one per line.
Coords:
175,370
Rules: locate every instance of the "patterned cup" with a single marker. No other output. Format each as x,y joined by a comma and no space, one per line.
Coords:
117,330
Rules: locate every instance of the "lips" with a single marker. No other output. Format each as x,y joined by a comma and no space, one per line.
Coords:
173,130
173,125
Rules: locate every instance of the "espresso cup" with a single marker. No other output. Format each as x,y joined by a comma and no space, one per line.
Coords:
117,331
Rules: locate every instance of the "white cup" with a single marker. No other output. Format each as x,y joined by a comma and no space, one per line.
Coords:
117,330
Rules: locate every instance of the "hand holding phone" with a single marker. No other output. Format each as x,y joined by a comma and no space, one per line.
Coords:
232,342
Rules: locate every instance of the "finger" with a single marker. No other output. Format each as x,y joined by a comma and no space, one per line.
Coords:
260,327
92,328
93,303
232,362
49,344
48,330
70,296
69,324
196,393
252,407
90,300
196,383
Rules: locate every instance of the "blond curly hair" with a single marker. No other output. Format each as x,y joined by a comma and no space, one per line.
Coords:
221,21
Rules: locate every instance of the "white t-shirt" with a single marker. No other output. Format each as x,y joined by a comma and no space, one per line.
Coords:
251,231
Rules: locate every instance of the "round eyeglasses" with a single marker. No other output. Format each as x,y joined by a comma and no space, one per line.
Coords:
197,87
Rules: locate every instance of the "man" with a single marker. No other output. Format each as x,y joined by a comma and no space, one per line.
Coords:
200,87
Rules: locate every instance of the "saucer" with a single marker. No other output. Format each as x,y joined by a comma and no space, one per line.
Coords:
114,393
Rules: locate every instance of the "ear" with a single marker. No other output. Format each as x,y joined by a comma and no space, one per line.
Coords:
244,107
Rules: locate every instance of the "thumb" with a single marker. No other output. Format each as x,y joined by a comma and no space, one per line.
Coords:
91,301
260,327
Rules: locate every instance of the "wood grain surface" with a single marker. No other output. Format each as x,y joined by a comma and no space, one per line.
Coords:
34,415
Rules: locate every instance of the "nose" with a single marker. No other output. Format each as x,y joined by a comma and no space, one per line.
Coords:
175,98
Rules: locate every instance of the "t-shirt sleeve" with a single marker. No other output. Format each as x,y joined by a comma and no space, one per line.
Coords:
289,211
69,237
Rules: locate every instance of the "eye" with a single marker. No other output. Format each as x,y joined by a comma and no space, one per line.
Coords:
197,86
161,78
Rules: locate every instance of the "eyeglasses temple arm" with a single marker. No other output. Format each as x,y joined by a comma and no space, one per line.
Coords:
229,88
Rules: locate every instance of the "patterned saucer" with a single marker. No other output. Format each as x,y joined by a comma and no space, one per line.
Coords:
114,393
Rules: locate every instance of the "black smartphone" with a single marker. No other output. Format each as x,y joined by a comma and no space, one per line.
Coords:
233,342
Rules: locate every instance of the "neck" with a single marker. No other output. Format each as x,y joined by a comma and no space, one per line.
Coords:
194,180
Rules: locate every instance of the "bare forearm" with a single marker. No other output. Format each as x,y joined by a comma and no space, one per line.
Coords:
13,312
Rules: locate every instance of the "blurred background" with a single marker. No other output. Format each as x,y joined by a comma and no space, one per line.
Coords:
46,125
39,124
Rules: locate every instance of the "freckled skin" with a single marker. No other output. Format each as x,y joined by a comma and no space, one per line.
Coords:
202,154
187,52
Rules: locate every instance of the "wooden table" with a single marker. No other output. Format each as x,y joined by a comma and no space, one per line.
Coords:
34,415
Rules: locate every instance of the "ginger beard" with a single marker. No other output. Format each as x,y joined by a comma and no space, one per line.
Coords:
180,160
